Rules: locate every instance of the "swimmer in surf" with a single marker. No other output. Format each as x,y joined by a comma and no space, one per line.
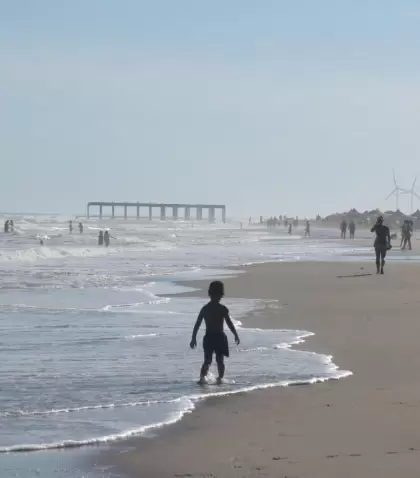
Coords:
215,341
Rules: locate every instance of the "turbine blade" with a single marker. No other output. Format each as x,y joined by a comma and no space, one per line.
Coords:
414,184
391,194
395,181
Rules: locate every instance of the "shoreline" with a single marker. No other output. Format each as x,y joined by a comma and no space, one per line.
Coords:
373,406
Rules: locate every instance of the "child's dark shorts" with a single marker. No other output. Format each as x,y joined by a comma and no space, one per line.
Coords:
216,343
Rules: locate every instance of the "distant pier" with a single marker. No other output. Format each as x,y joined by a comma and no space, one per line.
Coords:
161,207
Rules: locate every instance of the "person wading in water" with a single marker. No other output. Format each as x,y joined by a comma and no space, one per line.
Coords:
215,341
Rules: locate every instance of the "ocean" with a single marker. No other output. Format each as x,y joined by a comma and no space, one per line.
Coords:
94,342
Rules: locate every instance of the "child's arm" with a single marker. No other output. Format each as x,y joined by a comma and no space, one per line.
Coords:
232,328
193,343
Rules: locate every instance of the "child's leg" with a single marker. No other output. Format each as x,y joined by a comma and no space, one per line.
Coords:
220,365
208,357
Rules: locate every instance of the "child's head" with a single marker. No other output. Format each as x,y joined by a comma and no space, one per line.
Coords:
216,290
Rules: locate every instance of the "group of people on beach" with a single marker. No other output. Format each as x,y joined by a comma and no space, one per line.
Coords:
71,227
9,226
276,222
103,238
350,227
273,222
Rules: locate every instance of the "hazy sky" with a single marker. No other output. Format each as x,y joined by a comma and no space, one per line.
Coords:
269,106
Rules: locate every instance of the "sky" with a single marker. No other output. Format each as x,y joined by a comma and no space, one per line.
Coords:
268,106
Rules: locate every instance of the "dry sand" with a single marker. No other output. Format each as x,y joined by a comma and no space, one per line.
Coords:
367,425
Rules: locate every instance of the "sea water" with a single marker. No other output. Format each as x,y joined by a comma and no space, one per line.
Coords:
94,346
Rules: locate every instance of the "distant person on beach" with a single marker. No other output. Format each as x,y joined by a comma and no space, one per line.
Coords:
289,231
215,341
106,238
382,243
6,226
308,229
403,235
406,232
70,227
80,228
101,238
343,228
352,229
12,226
410,231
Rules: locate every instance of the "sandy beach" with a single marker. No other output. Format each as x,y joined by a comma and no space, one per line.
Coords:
366,425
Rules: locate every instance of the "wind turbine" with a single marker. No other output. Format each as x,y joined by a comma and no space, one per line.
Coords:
412,193
396,192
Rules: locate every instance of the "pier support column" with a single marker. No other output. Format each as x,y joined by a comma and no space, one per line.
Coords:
138,211
125,211
212,214
224,214
113,212
88,212
199,213
187,213
175,213
100,211
150,213
162,213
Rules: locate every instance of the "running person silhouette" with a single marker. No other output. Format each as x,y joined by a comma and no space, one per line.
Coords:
215,341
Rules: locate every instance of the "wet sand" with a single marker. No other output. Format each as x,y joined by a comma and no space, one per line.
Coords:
366,425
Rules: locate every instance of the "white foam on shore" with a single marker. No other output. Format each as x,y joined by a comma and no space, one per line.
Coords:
190,401
30,413
139,336
174,417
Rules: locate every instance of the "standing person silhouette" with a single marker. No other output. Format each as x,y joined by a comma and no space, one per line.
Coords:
382,243
106,238
215,341
343,228
352,229
308,229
